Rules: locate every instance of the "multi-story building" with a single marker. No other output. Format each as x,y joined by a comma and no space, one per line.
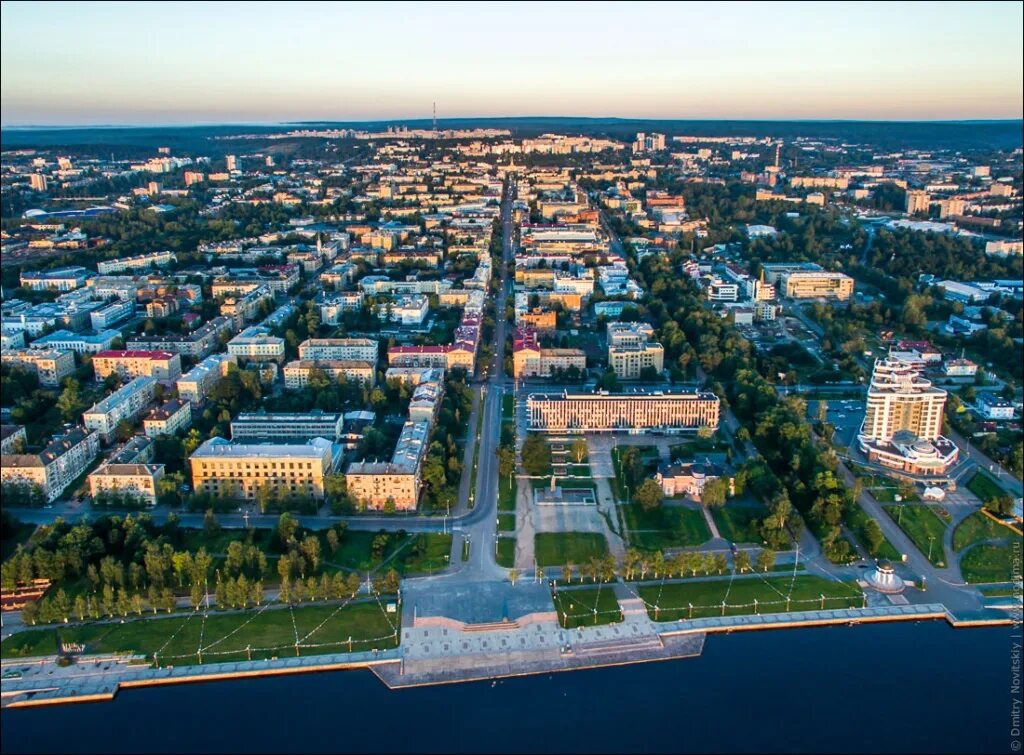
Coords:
81,343
162,365
530,360
50,365
379,485
670,411
241,470
296,373
406,310
806,280
256,343
917,201
630,350
197,382
333,306
903,421
287,426
173,415
360,349
61,279
246,307
111,313
418,356
12,439
56,466
197,344
992,407
134,480
125,404
139,262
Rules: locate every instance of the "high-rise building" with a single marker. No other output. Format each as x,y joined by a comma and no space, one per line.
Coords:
903,421
672,411
38,182
917,201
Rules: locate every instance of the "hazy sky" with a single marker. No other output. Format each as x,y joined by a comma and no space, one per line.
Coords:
91,63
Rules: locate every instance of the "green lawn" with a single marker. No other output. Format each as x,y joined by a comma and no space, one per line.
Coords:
505,552
664,527
674,599
508,406
194,539
695,447
576,607
739,524
987,563
1000,592
559,548
977,527
506,522
923,526
408,554
270,633
648,457
855,518
983,486
507,494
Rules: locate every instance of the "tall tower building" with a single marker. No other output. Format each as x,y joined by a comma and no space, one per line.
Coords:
917,201
37,181
232,162
902,427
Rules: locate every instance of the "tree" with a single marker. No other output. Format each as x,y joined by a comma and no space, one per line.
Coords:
70,401
742,561
536,455
287,526
715,492
578,449
873,536
649,495
352,584
332,541
506,461
766,559
210,524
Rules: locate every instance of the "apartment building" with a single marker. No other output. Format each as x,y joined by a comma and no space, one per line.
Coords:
671,411
530,360
112,313
360,349
287,426
198,344
162,365
197,382
334,306
246,307
167,419
80,343
50,365
63,460
12,438
630,349
380,484
296,373
903,421
139,262
256,343
126,403
61,279
138,481
917,202
240,470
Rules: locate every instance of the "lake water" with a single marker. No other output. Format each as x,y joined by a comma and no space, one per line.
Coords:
903,687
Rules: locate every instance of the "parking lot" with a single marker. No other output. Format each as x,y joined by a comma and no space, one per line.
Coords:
845,415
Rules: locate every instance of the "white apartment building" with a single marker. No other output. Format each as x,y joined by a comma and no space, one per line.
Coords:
56,466
360,349
168,419
126,403
50,365
256,343
197,382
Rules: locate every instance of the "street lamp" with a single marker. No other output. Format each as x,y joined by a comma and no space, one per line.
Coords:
931,540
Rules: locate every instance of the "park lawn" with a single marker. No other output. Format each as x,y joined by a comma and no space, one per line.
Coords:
697,446
987,563
855,518
217,543
507,494
664,527
505,552
506,522
508,406
739,524
920,522
999,592
576,608
270,633
977,527
560,548
986,488
673,600
19,535
426,553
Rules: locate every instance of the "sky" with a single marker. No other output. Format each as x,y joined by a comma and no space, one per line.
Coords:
88,63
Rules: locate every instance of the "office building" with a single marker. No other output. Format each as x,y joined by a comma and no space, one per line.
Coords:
256,427
241,470
668,411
